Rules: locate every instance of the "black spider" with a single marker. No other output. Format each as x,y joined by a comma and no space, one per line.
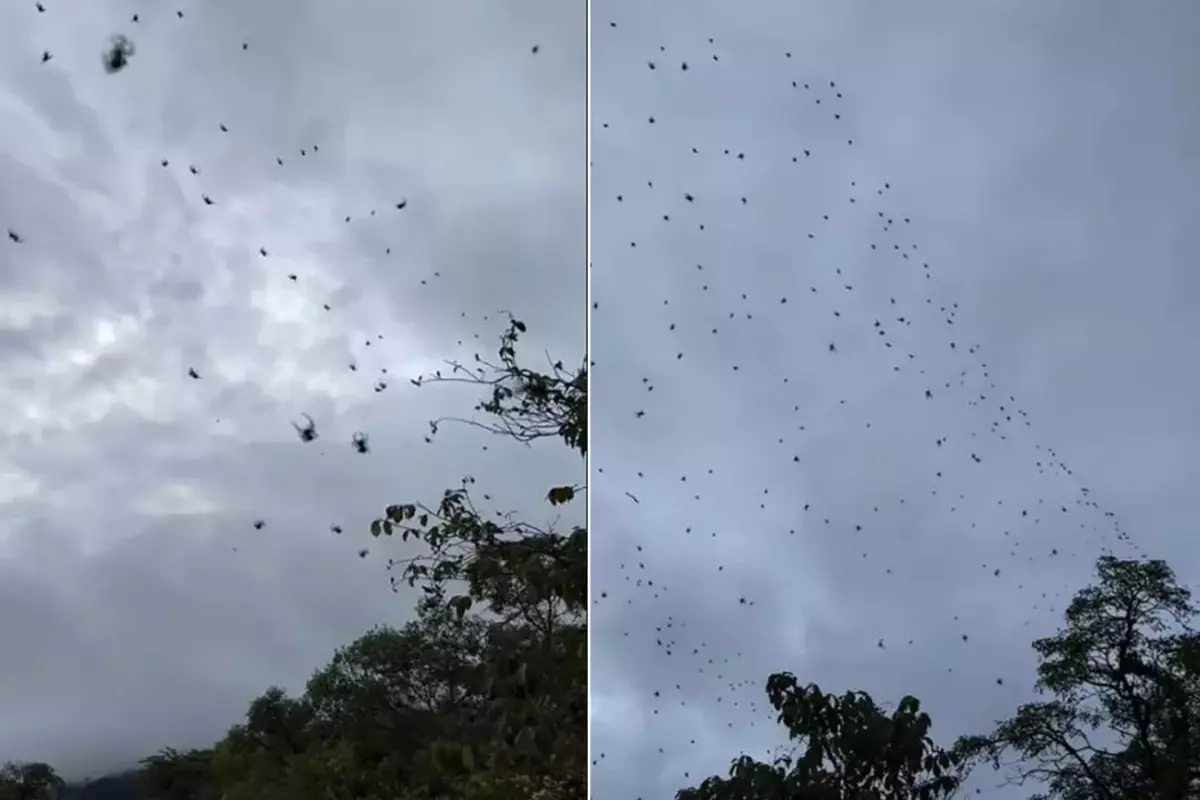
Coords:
116,58
309,432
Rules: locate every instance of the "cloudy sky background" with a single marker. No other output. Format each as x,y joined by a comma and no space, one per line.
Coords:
129,621
1047,158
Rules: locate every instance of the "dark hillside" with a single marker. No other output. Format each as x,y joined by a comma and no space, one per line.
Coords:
122,786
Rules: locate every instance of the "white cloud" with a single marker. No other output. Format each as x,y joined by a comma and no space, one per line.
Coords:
139,605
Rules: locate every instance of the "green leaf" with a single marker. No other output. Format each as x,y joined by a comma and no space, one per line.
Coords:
526,742
375,528
468,758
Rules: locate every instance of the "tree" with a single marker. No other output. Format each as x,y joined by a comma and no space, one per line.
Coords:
531,579
396,714
386,697
1125,680
852,750
257,759
457,703
172,775
502,557
29,781
483,696
523,404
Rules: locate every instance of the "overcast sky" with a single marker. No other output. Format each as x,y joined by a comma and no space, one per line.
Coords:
129,620
794,508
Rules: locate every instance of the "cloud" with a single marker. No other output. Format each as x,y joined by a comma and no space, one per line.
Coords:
807,510
140,606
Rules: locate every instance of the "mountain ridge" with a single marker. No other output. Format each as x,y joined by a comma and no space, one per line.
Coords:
117,786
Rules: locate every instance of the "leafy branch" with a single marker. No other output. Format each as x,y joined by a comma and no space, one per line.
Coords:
523,404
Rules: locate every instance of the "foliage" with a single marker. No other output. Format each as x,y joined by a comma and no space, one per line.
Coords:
29,781
1125,676
457,703
523,404
852,750
482,697
532,580
398,713
515,566
172,775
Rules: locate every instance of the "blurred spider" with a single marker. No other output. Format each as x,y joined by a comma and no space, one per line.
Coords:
116,57
309,432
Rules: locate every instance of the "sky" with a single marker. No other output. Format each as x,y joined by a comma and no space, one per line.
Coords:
139,605
805,216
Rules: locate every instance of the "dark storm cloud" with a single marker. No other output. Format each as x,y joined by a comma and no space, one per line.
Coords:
140,607
1047,167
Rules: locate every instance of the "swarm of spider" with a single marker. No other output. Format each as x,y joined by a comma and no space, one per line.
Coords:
912,331
116,56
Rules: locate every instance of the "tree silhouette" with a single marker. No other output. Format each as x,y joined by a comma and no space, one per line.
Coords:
852,750
483,696
531,578
1125,677
32,780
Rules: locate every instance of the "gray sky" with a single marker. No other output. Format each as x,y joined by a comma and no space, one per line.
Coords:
129,620
1046,155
